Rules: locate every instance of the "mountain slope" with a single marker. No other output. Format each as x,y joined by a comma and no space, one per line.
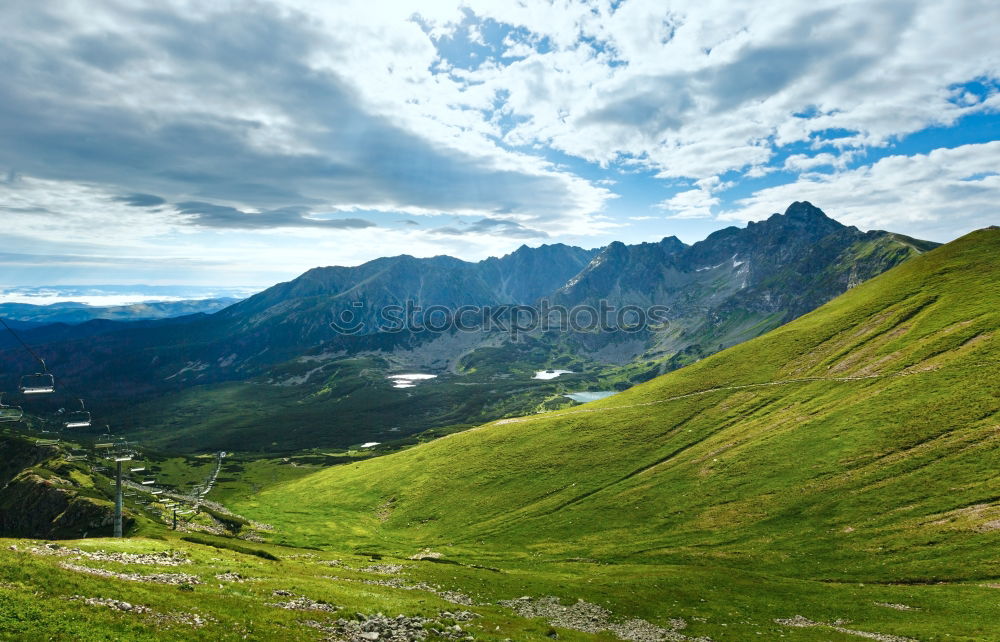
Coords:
740,282
858,443
228,379
311,301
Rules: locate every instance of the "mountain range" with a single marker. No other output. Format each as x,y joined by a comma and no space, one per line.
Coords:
861,432
29,315
834,479
229,377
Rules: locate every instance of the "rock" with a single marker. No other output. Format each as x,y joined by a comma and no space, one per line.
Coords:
180,579
301,603
390,629
591,618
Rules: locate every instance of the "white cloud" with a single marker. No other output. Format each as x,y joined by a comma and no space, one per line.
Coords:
803,162
306,106
709,87
81,213
694,203
267,108
936,195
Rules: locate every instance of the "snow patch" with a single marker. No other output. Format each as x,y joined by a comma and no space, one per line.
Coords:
408,380
550,374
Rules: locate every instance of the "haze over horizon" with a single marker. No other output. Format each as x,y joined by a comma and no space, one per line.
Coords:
175,143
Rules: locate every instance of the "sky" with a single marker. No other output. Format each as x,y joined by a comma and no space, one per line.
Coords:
242,143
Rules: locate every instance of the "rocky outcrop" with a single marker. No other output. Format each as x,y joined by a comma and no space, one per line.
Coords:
35,501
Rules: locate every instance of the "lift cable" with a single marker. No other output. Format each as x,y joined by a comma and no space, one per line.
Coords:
45,369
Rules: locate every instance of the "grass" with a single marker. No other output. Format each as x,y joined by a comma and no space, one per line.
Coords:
683,497
880,481
342,403
228,544
716,601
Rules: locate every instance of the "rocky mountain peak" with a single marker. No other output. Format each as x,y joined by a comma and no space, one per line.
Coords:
673,244
801,214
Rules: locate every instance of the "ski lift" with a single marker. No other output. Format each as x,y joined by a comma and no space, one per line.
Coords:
9,413
148,482
40,383
78,418
138,470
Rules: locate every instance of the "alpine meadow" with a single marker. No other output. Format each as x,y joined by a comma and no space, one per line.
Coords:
598,320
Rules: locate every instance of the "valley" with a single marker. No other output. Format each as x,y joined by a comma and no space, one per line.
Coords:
532,321
833,479
225,380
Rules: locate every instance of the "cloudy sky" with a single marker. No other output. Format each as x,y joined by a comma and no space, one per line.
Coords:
245,142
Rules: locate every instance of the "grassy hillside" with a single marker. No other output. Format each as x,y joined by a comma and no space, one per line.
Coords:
836,479
174,589
858,444
329,400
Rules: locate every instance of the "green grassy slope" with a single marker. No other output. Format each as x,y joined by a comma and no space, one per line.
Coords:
43,594
345,402
862,493
885,469
38,587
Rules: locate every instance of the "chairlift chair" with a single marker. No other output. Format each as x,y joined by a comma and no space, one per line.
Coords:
40,383
138,470
148,482
78,418
9,413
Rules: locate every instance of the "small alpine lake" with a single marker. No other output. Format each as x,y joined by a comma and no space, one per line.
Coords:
584,397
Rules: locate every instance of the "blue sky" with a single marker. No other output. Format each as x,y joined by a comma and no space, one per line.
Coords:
232,143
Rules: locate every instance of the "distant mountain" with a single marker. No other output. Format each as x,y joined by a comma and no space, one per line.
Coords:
70,312
304,307
735,285
740,282
286,321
